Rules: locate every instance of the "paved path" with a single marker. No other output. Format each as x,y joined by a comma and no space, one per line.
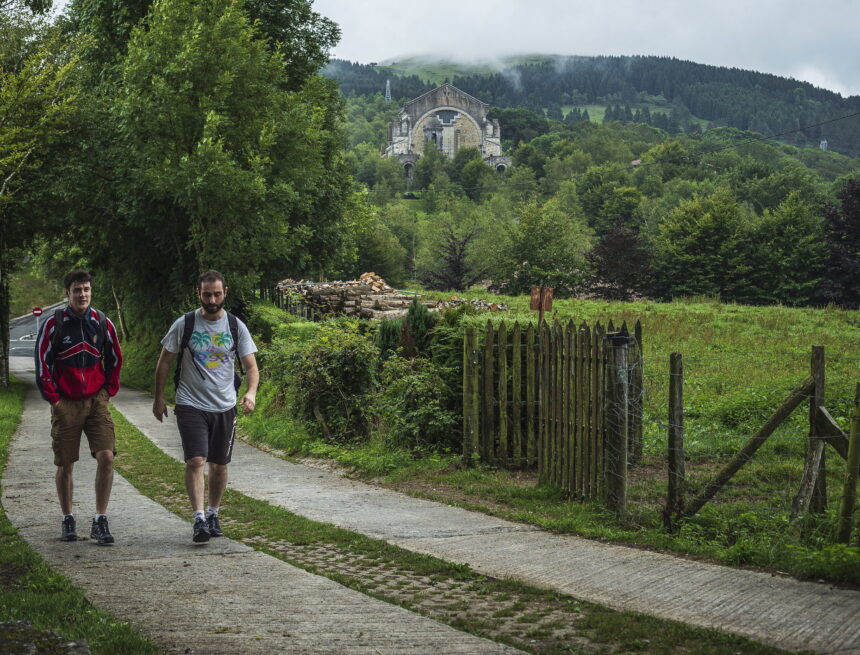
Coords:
219,598
771,609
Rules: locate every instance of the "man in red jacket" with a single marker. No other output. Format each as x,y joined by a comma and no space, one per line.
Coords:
78,361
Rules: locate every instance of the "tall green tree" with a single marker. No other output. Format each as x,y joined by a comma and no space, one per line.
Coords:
789,250
701,248
841,281
545,244
454,269
302,36
620,266
218,162
38,95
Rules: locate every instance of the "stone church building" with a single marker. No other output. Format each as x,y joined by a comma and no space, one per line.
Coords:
447,119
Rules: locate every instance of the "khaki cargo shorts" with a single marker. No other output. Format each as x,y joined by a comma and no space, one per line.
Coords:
71,417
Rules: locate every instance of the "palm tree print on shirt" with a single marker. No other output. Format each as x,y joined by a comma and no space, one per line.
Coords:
200,339
222,339
205,352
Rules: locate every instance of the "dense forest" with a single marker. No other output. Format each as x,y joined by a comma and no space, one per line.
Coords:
672,94
148,141
619,209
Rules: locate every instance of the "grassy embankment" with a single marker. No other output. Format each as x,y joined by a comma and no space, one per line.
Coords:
740,362
529,618
532,619
29,289
31,591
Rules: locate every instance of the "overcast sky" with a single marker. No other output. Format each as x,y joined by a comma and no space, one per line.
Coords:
817,41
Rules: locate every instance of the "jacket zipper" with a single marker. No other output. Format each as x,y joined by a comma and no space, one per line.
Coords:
83,352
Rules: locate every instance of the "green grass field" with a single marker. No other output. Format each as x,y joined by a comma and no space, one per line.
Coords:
740,363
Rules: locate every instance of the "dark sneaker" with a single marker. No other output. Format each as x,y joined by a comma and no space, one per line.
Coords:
214,526
68,532
201,532
100,532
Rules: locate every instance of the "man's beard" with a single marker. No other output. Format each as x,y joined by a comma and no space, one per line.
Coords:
212,308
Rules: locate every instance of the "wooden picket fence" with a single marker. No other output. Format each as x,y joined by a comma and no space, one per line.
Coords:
562,399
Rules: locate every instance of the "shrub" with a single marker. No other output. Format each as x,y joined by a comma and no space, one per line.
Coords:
327,378
411,409
419,322
388,337
266,321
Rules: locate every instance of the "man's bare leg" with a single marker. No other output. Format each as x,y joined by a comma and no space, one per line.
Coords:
217,483
104,480
65,487
194,482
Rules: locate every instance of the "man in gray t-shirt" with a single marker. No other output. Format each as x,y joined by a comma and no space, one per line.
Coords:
206,396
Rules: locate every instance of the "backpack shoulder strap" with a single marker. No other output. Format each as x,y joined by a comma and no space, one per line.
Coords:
233,322
187,329
102,330
58,329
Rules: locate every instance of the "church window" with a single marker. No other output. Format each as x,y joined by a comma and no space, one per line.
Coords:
447,116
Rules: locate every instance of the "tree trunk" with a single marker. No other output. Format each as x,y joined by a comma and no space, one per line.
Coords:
4,317
120,315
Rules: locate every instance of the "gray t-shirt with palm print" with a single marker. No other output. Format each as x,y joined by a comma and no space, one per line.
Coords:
206,381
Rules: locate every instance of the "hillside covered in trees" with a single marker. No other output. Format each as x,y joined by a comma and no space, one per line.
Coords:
677,96
617,209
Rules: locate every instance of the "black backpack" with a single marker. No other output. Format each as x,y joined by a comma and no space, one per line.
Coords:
56,338
188,328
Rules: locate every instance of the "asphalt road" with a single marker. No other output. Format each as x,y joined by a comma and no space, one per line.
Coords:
22,333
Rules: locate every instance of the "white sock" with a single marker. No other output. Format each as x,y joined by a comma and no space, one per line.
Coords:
96,517
68,516
211,511
198,514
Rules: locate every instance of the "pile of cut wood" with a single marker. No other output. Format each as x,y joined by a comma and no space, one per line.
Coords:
477,303
370,296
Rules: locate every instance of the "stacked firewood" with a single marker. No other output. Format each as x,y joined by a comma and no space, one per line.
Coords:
477,303
367,297
370,296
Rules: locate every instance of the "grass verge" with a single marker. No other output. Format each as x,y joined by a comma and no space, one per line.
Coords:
739,364
33,592
534,620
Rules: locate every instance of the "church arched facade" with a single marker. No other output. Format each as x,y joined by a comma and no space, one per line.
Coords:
447,119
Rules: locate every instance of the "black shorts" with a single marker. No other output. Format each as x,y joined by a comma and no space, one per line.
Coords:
206,434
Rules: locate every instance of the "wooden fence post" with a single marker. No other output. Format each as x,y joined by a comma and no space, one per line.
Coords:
516,394
502,453
543,407
819,494
677,472
598,389
531,359
617,424
636,391
808,497
852,471
488,424
471,396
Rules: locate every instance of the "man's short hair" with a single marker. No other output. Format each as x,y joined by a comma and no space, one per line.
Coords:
211,276
78,275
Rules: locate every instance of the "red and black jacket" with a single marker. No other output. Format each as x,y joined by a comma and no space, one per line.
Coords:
86,361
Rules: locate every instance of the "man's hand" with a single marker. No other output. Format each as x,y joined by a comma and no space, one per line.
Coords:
249,402
159,409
